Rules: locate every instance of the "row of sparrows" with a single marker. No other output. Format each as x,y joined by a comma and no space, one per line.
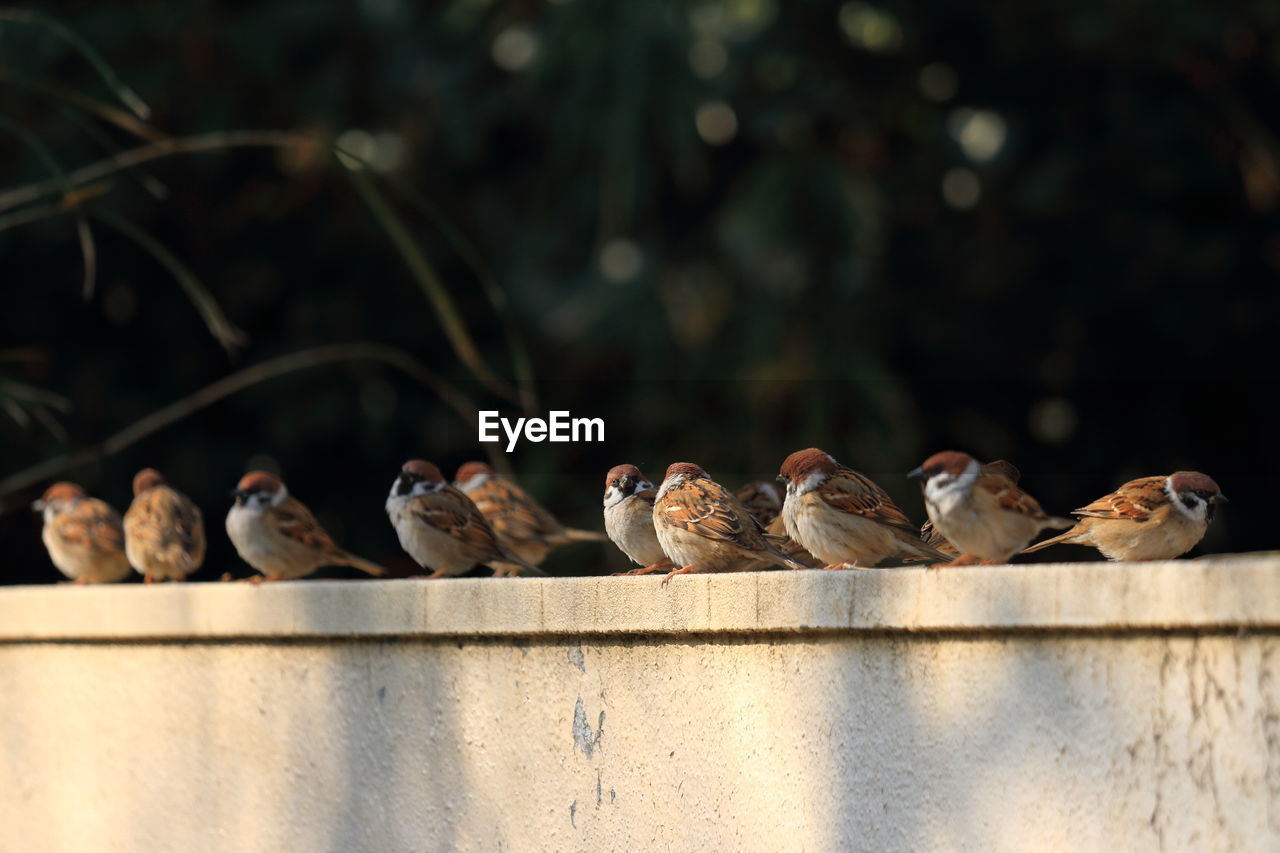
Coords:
162,533
829,516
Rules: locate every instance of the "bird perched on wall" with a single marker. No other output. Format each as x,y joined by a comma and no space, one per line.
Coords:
525,528
843,518
628,518
83,535
762,499
982,512
277,535
442,529
1151,518
936,540
164,530
703,528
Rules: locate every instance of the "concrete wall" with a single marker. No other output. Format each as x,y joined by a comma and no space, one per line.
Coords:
1042,707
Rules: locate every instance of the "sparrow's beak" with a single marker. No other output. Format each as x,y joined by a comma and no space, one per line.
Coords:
915,474
781,478
239,493
1219,499
38,505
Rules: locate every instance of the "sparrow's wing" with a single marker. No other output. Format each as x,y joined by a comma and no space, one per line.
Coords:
93,525
707,509
514,513
1008,469
851,492
181,516
1136,500
761,499
649,495
296,523
450,511
932,537
1008,496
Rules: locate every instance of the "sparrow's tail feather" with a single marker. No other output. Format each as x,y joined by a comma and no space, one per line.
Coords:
349,559
918,552
782,559
1061,539
573,534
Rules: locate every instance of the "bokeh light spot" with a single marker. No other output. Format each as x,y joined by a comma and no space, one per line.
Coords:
621,260
939,81
961,188
872,29
514,48
716,122
980,133
708,58
1053,420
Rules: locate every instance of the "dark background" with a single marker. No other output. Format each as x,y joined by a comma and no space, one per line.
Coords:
1045,232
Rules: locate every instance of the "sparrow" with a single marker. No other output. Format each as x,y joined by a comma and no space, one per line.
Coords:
442,529
1151,518
843,518
277,535
777,533
762,499
164,530
982,512
703,528
83,535
936,540
628,518
523,526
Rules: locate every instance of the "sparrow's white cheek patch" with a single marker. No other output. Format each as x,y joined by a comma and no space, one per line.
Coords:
558,427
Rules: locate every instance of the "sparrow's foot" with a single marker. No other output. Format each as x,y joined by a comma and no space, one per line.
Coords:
439,573
684,571
148,579
835,567
645,570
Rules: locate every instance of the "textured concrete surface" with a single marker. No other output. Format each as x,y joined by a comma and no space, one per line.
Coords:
861,735
1218,592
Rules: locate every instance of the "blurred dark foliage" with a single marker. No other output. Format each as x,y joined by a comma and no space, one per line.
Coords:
1045,231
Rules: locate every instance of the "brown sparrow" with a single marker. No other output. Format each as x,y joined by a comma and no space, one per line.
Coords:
843,518
441,528
628,518
762,499
982,513
164,531
1151,518
83,535
523,526
703,528
277,535
936,540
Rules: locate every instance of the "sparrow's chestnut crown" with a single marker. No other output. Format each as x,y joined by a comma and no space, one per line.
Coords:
624,477
951,462
255,482
61,491
471,469
146,480
802,463
684,469
420,469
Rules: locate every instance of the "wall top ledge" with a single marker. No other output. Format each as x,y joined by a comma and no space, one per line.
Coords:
1216,593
